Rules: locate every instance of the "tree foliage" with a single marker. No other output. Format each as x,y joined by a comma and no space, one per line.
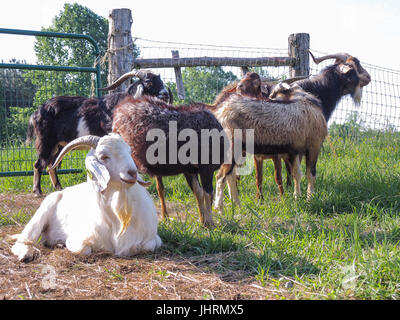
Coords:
16,101
202,84
78,19
73,19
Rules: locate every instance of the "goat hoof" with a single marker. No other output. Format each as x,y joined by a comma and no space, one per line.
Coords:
37,193
23,252
209,224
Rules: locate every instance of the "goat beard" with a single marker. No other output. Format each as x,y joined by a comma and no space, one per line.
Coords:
123,212
357,95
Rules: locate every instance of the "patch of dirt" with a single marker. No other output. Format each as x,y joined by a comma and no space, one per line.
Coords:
59,274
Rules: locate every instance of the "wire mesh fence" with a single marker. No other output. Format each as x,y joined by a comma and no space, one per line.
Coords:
157,49
24,87
379,109
23,91
380,105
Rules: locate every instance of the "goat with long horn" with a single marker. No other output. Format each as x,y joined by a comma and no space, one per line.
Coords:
64,118
148,84
345,76
111,211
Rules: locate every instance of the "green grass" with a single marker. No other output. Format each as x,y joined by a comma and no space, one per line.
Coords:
21,157
343,244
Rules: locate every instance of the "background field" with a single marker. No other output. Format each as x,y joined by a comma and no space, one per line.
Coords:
343,244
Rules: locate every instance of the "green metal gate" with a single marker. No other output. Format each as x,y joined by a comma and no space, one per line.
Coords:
20,95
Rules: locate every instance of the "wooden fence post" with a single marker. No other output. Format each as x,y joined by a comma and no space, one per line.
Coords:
178,77
299,44
120,45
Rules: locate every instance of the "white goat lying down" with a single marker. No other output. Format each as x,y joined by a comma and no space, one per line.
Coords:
110,211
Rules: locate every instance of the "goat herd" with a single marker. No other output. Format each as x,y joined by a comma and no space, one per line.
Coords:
113,211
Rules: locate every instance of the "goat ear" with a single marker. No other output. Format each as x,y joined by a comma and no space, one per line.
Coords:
97,173
139,91
344,68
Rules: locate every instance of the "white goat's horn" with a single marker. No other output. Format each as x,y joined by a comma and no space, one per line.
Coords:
84,142
342,57
141,74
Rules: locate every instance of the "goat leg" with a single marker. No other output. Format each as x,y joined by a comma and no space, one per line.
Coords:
221,178
296,173
23,247
288,172
52,172
278,172
311,171
37,173
258,163
198,192
231,179
206,178
54,179
161,195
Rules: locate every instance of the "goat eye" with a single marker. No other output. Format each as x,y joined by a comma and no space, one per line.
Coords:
104,157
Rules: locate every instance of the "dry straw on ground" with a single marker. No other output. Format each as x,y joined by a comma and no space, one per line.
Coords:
59,274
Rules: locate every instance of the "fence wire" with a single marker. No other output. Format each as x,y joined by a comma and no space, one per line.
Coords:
380,105
150,49
21,94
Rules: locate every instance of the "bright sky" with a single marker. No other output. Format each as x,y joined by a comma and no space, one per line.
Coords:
367,29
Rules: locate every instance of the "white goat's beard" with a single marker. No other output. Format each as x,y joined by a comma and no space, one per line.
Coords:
357,95
123,212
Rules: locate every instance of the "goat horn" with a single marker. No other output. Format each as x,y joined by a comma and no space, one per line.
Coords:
84,142
294,79
342,57
141,74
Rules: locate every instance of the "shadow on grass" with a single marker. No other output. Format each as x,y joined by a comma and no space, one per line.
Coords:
227,254
345,193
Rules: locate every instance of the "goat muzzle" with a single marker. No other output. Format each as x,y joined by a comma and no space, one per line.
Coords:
130,177
365,78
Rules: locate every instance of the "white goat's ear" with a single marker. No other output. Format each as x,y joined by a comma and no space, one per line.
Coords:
97,173
139,91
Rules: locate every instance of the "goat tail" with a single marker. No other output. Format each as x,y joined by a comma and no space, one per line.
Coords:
30,132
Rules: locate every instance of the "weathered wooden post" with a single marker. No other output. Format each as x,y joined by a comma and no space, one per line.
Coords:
120,45
178,77
299,44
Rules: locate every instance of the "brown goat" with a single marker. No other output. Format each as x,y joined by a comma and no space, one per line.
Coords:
346,76
252,86
135,119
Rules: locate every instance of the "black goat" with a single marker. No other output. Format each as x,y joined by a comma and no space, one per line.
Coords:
62,119
345,76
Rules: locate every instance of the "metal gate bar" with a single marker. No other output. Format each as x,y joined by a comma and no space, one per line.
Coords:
95,69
